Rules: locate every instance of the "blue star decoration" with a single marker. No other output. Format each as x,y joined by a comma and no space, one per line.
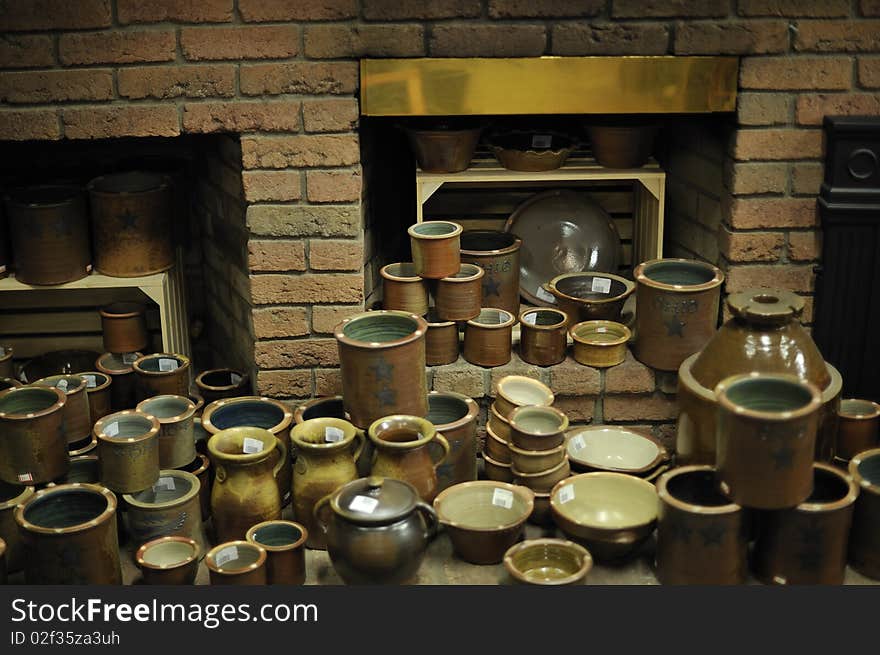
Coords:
491,286
128,219
382,370
674,326
386,396
783,458
712,534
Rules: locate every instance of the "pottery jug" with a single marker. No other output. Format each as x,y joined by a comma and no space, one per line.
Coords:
326,457
402,452
377,531
245,491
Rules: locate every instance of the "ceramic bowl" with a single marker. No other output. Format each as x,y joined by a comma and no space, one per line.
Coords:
499,423
590,296
484,518
527,151
611,513
599,343
536,461
172,560
542,480
517,391
495,470
548,562
496,447
611,448
537,428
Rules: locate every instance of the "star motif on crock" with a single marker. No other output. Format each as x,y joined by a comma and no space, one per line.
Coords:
712,534
680,532
674,327
783,458
128,219
386,397
382,370
491,286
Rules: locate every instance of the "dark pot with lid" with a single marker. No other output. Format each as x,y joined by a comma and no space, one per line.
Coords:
377,530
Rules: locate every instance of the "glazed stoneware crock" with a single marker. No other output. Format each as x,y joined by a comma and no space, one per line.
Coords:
219,383
99,391
33,449
766,439
858,427
123,389
591,296
169,561
488,338
162,374
284,543
377,530
677,302
237,562
128,450
702,538
176,421
459,296
76,412
807,544
124,325
382,362
455,417
403,289
11,496
497,253
542,337
441,341
599,343
201,468
864,537
436,248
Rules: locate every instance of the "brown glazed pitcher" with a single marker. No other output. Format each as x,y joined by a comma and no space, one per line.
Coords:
402,452
245,491
326,460
382,361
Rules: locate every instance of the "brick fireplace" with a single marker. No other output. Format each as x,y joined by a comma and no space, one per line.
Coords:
279,80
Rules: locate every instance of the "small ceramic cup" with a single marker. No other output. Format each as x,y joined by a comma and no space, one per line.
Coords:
488,338
441,341
169,561
857,427
537,428
458,297
284,542
514,391
403,289
237,563
542,339
436,248
599,343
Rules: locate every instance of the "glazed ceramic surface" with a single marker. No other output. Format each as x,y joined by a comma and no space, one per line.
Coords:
436,248
499,423
858,427
612,448
33,449
403,452
58,362
76,413
403,289
518,390
459,297
590,296
443,150
525,151
162,374
496,470
128,450
488,338
99,391
455,417
864,537
284,543
12,495
219,383
622,145
541,481
599,343
441,341
201,468
537,427
496,447
176,420
124,325
548,562
542,339
497,253
169,561
237,562
123,389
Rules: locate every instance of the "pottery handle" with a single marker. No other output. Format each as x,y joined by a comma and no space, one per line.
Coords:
440,439
219,473
316,511
362,441
431,521
282,457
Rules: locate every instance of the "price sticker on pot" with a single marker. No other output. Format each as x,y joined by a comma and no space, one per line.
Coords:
545,295
250,446
531,319
234,378
111,429
25,477
542,140
226,555
502,498
566,494
166,364
91,383
332,435
578,443
62,384
2,349
164,483
364,504
601,285
129,358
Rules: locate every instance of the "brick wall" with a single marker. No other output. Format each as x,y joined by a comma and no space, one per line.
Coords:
283,75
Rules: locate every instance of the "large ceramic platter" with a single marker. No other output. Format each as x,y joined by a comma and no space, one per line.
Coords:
562,232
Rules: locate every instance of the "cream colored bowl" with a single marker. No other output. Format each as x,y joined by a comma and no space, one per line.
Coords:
518,391
609,448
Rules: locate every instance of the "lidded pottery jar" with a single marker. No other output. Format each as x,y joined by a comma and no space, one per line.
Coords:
377,531
123,388
124,325
402,452
284,542
326,460
497,253
436,248
245,491
99,393
382,362
441,340
175,415
162,374
763,335
69,535
219,383
455,417
458,297
128,450
49,230
864,537
33,449
488,338
403,289
237,562
677,301
11,496
542,339
132,226
76,412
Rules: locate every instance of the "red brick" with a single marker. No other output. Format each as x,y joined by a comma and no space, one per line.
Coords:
748,178
669,8
324,288
116,47
328,382
745,38
285,384
296,353
325,318
283,322
837,36
804,246
181,11
331,115
460,377
468,40
750,246
630,376
271,185
578,409
811,109
276,256
544,9
308,78
266,116
806,178
610,39
407,9
333,186
777,144
353,41
300,151
25,51
796,73
29,124
870,7
641,407
794,8
258,11
163,82
56,86
760,213
869,72
251,42
760,276
305,220
132,120
23,15
758,109
569,378
335,255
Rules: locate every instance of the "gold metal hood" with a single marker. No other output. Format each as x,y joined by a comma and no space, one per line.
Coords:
548,85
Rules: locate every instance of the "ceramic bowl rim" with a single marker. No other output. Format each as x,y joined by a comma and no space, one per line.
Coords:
133,309
848,499
622,332
71,392
642,278
388,275
183,363
303,535
350,433
549,396
242,458
473,410
853,469
238,543
83,450
548,473
506,323
812,406
98,387
493,462
476,273
301,409
629,288
427,429
278,428
629,479
101,423
526,544
456,231
419,332
60,400
498,415
188,413
192,492
531,409
96,489
516,245
193,556
667,497
26,493
524,493
115,371
537,310
662,452
200,383
859,415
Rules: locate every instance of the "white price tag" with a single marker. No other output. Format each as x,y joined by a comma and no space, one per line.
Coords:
2,349
332,435
226,555
166,364
62,384
601,285
25,477
111,429
566,494
234,378
502,498
252,446
545,295
578,443
91,383
129,358
530,319
164,483
542,140
363,504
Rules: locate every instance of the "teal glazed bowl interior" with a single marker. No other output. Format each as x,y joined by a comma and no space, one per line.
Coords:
28,400
678,273
767,394
256,414
66,508
381,328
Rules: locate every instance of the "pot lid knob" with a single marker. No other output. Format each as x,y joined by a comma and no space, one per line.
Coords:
765,305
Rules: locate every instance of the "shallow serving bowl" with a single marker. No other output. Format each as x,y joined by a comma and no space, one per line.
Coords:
612,514
518,391
548,562
611,448
599,343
